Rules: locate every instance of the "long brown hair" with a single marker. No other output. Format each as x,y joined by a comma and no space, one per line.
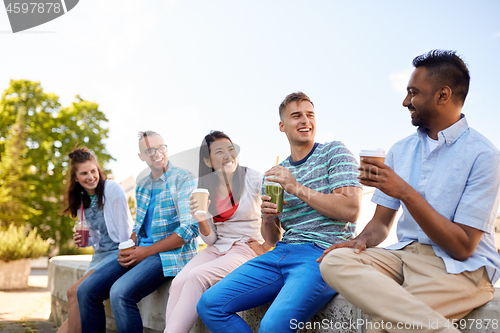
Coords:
207,178
76,195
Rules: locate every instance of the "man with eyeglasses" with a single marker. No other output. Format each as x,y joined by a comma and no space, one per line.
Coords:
165,234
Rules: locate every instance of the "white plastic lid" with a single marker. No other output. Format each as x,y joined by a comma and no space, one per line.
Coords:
126,244
270,182
373,153
200,190
82,224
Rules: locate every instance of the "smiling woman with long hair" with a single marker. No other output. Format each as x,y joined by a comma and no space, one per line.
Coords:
105,207
231,228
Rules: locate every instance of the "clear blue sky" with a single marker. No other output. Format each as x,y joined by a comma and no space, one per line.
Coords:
183,68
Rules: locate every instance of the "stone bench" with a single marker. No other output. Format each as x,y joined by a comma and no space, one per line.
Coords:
337,316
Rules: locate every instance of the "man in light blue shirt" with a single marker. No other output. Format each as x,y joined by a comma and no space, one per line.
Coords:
447,179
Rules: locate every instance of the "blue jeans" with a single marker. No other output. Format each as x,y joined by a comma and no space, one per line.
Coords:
288,276
125,287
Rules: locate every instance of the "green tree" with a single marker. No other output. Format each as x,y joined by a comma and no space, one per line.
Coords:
15,191
50,133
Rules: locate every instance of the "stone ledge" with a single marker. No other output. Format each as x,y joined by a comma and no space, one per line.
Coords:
64,271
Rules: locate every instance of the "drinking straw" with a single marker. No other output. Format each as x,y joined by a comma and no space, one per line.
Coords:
82,213
277,159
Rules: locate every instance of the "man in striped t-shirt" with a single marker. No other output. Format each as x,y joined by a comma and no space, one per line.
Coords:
327,167
323,199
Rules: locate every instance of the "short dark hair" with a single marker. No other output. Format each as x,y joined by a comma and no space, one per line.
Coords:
446,69
298,97
146,134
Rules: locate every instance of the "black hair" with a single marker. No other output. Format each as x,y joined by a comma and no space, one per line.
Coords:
209,180
447,69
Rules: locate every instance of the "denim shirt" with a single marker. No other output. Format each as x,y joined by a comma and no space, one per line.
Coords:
460,179
96,218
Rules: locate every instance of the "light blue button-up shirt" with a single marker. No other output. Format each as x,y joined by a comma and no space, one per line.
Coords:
460,179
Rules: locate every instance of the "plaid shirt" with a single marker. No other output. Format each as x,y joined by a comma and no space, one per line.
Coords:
171,214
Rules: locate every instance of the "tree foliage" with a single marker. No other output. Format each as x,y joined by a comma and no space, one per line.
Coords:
36,135
15,191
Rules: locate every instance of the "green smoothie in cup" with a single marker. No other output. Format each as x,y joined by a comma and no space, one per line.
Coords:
275,191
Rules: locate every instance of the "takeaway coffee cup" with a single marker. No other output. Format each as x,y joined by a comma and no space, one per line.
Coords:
126,245
275,191
201,196
378,154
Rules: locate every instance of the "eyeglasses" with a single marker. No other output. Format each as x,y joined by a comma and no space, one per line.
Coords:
151,151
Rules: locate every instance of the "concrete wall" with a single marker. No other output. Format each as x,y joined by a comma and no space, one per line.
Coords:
14,274
337,316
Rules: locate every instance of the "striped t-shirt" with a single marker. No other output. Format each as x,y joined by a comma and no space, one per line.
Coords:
327,167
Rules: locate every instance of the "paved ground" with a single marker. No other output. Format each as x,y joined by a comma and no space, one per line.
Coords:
27,311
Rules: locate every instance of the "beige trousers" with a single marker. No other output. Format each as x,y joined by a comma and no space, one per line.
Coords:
406,290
